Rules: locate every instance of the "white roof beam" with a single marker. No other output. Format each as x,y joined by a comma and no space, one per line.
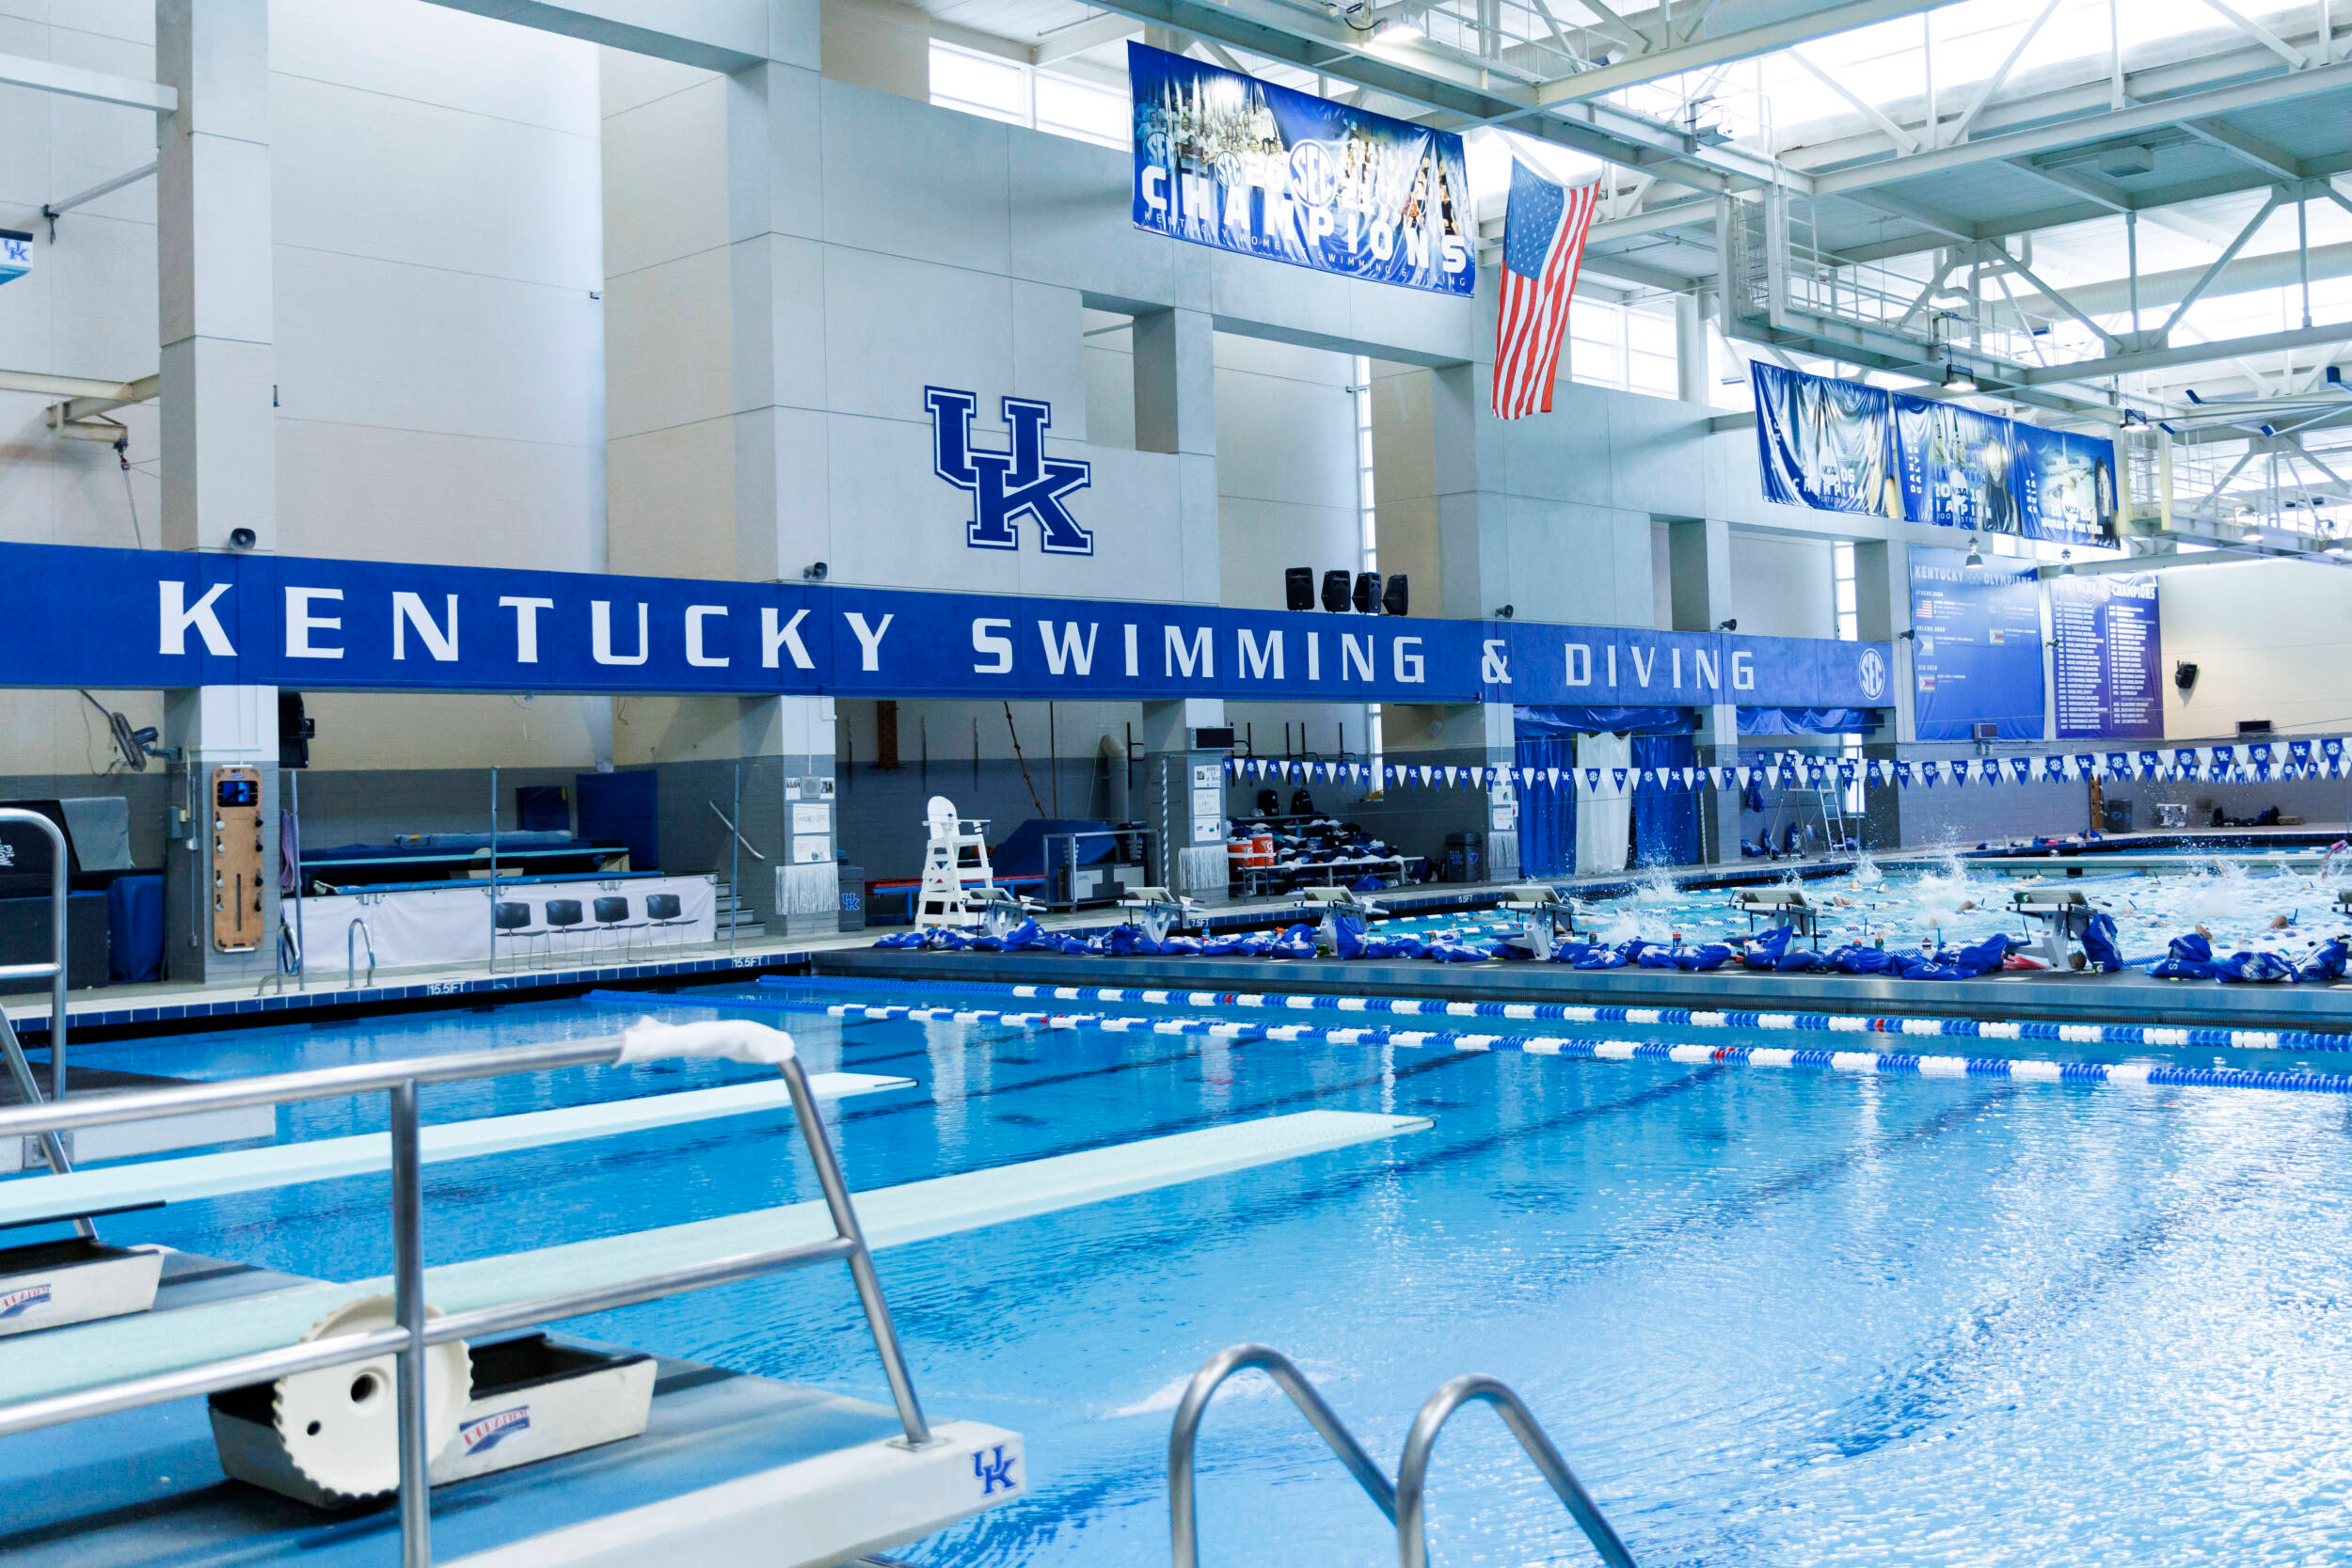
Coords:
1739,44
96,87
2248,148
709,35
1080,37
2294,58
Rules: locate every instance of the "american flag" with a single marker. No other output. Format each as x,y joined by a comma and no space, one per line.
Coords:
1543,241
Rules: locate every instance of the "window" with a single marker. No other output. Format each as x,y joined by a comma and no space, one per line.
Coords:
1627,347
1019,94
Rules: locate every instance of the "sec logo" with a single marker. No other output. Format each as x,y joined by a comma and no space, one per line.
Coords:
1871,672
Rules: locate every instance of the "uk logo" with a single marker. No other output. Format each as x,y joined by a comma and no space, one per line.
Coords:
1005,485
993,1472
489,1432
17,1302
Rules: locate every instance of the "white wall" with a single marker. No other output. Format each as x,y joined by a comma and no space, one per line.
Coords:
1782,587
2270,640
438,354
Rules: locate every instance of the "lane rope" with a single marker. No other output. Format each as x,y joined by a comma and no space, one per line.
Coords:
1883,1062
1571,1012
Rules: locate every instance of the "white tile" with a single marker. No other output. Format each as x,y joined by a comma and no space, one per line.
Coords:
670,501
895,325
905,179
630,80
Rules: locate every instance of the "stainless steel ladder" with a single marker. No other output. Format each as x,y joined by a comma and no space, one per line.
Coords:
1403,1504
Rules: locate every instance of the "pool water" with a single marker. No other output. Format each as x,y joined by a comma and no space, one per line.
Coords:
1770,1317
1958,902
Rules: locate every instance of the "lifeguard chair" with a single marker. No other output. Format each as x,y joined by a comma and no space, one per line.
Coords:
958,888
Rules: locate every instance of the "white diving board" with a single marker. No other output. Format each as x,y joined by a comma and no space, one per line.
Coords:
35,1198
93,1355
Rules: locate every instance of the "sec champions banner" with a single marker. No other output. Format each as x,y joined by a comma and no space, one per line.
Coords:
1227,160
1822,443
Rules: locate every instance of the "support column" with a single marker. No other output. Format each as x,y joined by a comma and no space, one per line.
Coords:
1184,793
1500,730
1699,575
215,727
214,265
1473,563
1883,614
782,517
1175,386
1694,378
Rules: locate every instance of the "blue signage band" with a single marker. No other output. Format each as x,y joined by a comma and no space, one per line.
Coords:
130,619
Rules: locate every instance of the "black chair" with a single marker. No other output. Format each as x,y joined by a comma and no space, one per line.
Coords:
665,910
513,922
613,919
561,914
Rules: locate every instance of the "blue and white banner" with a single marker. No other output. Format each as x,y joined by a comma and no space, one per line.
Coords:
131,618
1227,160
1976,647
1844,446
1822,443
2110,656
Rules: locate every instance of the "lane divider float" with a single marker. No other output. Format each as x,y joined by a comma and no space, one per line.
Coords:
1883,1062
1572,1012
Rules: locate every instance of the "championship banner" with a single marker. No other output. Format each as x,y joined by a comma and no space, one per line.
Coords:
2065,485
1954,466
1226,159
1822,443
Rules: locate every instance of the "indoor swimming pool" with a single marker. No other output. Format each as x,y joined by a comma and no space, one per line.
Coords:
2238,899
1770,1317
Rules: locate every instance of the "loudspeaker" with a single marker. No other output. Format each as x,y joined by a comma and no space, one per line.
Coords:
1335,592
295,731
1298,588
1367,592
2183,675
1392,597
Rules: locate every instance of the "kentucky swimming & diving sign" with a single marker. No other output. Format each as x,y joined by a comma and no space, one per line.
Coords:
151,618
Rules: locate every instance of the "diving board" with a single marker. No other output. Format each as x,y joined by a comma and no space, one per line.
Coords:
95,1355
35,1198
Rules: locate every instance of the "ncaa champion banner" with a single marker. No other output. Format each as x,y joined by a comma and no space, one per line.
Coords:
1226,159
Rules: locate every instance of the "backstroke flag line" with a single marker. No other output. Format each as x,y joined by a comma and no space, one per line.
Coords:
1542,244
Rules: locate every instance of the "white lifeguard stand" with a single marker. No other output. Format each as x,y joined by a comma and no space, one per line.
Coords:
957,878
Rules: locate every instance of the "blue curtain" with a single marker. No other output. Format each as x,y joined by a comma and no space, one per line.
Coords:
1665,821
1804,721
1547,810
1574,721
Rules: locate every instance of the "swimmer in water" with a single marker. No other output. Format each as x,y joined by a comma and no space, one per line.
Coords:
2282,922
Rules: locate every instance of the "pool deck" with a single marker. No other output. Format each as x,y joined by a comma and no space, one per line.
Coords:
2041,997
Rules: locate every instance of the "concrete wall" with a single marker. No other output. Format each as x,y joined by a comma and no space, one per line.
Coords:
2270,640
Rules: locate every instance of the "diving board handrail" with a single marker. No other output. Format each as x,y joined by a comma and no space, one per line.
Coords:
1184,1435
20,1071
415,1332
1412,1470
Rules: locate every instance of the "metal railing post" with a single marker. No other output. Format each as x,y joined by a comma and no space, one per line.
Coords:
493,968
1184,1435
416,1486
836,1191
20,1071
1412,1470
359,928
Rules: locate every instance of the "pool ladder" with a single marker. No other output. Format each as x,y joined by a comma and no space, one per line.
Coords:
1405,1502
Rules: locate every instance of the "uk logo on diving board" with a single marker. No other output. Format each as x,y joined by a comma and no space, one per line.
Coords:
994,1471
1005,485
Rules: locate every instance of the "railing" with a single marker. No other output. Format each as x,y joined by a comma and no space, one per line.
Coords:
1402,1504
20,1071
415,1332
359,928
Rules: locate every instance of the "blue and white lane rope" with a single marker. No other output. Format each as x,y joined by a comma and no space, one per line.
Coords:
1571,1012
1883,1062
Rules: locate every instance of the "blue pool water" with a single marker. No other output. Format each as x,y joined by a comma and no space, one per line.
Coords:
1770,1317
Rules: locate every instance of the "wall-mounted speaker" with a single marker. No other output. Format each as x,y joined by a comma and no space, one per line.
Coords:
1393,598
2185,677
1335,592
1367,592
1298,588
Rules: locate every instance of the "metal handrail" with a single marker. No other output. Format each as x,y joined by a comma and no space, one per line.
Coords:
359,928
1184,1529
20,1071
1412,1470
415,1332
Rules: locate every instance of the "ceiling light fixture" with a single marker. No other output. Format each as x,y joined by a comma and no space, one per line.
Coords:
1397,31
1957,380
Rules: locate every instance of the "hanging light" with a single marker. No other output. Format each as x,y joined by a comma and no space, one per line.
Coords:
1976,556
1957,380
